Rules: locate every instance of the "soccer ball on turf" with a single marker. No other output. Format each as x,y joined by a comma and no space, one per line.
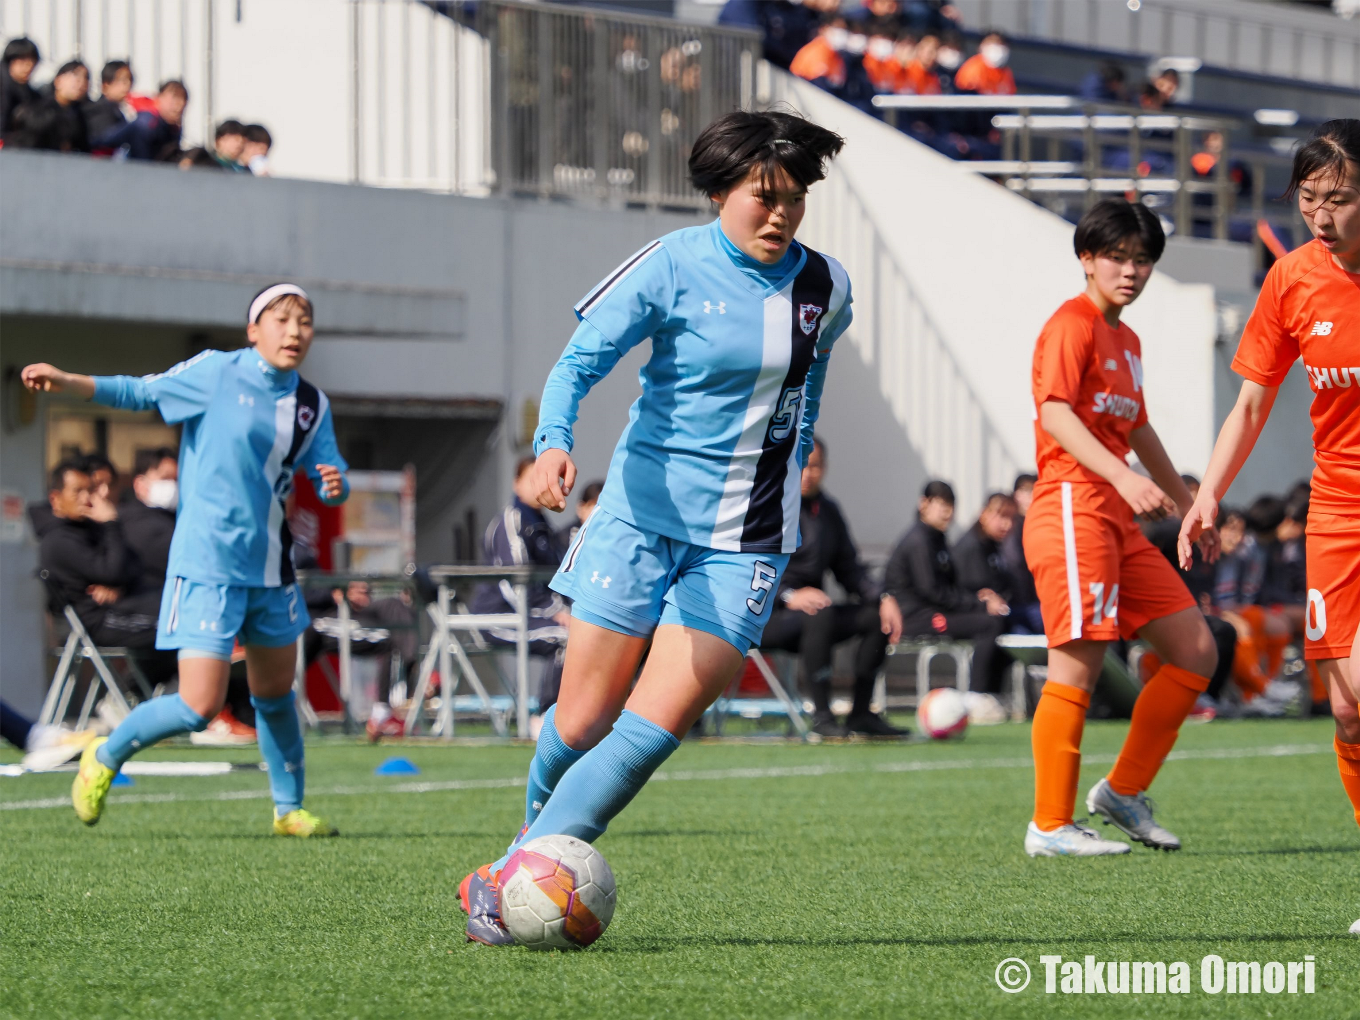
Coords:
942,714
557,892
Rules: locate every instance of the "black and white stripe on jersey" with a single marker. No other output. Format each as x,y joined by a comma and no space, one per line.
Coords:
306,414
613,279
763,528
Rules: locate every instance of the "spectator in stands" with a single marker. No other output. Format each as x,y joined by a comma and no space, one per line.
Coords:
1025,604
156,135
255,155
821,61
585,506
1167,84
949,59
805,620
921,76
886,72
980,557
229,143
103,480
520,535
985,72
56,121
934,16
920,577
784,27
109,118
1105,83
147,511
88,565
20,58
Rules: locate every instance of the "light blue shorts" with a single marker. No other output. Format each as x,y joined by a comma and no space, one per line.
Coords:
204,619
628,580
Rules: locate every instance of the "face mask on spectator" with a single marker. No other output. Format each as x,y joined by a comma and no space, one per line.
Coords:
856,43
881,48
949,58
996,54
163,493
836,38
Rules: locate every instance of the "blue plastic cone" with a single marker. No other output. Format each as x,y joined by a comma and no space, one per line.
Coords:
397,767
122,780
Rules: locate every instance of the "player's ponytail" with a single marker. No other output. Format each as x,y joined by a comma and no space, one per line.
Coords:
735,144
1333,151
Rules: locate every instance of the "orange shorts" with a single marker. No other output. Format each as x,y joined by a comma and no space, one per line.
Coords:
1097,575
1333,552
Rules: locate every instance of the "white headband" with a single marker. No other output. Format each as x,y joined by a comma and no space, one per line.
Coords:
278,290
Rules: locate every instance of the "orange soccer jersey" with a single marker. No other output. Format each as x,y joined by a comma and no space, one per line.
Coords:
1309,307
1096,574
976,75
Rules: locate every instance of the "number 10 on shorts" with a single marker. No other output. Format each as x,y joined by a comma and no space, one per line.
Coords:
1105,609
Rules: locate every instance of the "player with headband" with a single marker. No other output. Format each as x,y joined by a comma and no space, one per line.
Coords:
249,423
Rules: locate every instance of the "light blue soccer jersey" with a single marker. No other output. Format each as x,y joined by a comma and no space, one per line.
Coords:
715,444
248,427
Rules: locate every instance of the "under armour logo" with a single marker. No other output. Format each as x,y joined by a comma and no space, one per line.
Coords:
244,400
1321,329
710,308
207,625
603,582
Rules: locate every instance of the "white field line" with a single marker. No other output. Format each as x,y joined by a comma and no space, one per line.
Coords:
681,776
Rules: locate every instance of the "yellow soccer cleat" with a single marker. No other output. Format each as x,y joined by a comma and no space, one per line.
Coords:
303,824
92,784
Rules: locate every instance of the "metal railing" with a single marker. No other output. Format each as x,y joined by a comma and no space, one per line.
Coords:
1281,41
591,103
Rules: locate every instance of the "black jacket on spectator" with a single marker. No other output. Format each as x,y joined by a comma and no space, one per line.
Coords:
980,562
46,124
77,554
1286,582
1164,534
148,137
920,574
147,531
105,124
785,27
12,96
827,545
520,534
1013,549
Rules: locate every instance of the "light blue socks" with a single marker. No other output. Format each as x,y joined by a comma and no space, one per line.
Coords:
552,758
604,781
149,723
280,737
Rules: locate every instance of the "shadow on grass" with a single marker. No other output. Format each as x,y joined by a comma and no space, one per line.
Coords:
1283,851
642,946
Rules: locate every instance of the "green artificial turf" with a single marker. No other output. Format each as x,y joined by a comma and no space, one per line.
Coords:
759,880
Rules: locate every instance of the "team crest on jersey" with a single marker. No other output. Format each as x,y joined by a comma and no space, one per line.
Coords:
808,316
305,416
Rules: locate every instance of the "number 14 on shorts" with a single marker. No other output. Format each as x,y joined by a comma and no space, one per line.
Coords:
1104,609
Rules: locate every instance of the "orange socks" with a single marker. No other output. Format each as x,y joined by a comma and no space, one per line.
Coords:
1348,763
1162,706
1247,668
1059,719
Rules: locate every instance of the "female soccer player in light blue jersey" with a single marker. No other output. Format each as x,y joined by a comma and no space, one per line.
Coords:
699,511
250,421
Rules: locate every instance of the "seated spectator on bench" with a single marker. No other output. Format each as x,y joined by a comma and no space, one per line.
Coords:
521,535
107,118
56,121
90,567
985,73
1025,604
147,511
806,621
980,557
156,135
255,154
20,58
921,577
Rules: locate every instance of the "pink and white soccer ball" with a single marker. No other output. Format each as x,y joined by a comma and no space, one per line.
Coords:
942,714
556,892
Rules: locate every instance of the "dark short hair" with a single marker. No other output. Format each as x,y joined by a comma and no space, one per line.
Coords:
1004,498
1333,145
1229,513
174,85
1112,221
524,464
1296,507
56,481
150,459
71,65
1023,479
766,142
98,462
230,127
990,32
1265,513
111,69
259,133
22,48
937,489
1189,480
591,493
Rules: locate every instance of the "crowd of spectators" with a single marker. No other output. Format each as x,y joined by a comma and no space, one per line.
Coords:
117,124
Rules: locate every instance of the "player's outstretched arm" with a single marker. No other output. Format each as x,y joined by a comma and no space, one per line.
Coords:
1143,494
1236,440
44,378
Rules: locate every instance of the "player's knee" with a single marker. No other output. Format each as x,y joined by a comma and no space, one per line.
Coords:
1347,721
1198,654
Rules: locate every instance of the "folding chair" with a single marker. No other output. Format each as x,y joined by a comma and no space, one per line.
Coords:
755,708
925,650
78,647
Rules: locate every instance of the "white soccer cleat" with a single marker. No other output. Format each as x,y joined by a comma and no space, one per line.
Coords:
1282,692
1355,928
50,746
1070,841
1131,815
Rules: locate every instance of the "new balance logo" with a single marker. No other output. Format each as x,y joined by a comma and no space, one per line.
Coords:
710,307
1321,329
1324,378
603,582
1111,365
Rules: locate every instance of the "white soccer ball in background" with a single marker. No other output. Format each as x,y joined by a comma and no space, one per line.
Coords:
556,892
942,714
